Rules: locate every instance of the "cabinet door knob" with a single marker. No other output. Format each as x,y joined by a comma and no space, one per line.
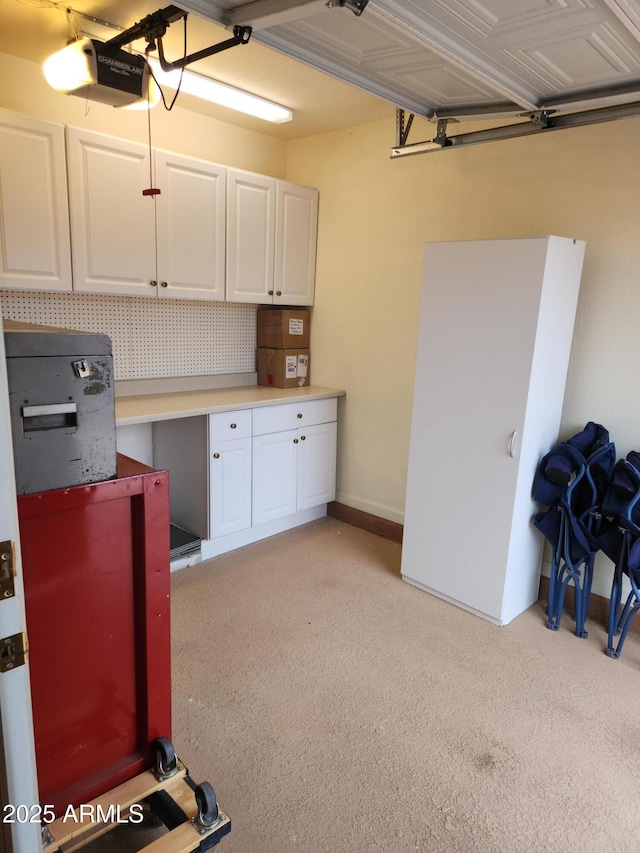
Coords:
295,440
163,284
299,414
271,293
216,456
278,293
302,437
233,426
153,283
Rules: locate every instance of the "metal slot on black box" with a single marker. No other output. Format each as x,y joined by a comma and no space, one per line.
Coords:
45,418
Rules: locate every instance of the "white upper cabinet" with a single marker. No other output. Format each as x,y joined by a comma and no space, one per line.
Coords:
34,224
251,228
112,223
296,232
271,240
105,215
126,243
190,227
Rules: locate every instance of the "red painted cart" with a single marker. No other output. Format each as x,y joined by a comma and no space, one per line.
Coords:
96,578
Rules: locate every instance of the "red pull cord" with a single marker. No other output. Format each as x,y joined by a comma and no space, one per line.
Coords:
151,190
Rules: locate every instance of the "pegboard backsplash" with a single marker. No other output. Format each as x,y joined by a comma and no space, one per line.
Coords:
150,337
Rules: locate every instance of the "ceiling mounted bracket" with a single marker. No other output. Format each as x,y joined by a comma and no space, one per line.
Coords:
542,118
261,14
241,35
538,122
150,28
403,127
154,27
441,137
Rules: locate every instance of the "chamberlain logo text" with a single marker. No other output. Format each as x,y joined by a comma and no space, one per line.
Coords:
120,67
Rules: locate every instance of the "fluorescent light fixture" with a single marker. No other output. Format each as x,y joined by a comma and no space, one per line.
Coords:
222,94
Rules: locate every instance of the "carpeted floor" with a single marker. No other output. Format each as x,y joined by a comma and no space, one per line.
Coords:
335,708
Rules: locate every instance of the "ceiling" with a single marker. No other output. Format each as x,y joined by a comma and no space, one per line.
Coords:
439,59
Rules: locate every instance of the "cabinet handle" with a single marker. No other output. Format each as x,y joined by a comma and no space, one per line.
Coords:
300,415
512,442
302,437
163,284
278,293
233,426
295,440
153,283
216,456
271,293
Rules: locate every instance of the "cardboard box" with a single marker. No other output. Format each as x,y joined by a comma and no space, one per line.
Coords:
283,328
283,368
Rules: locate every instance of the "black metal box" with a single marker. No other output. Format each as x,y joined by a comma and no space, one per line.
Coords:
61,397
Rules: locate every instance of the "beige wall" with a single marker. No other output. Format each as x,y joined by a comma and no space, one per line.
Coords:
376,215
25,90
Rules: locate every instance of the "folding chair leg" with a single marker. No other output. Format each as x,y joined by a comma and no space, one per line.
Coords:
625,628
552,607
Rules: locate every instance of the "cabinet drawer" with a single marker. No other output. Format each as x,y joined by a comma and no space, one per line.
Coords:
227,425
293,415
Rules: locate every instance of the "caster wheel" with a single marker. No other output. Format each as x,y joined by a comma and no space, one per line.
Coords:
208,810
166,761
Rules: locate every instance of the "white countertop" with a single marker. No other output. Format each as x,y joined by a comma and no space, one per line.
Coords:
145,408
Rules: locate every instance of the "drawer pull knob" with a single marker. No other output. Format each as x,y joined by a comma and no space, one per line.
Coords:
233,426
300,414
216,456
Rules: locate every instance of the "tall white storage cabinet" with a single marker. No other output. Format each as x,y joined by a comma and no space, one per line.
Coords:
496,325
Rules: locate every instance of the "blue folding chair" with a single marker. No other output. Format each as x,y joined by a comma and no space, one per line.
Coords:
572,480
620,540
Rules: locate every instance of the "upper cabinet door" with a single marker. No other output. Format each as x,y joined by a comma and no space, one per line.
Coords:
296,232
190,227
250,237
112,223
34,224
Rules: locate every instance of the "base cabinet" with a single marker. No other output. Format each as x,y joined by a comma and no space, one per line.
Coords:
293,468
275,463
267,469
229,473
317,465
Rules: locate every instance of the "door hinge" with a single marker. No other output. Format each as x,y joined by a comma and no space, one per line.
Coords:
7,570
13,652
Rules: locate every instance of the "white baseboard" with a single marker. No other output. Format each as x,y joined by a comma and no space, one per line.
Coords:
215,547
